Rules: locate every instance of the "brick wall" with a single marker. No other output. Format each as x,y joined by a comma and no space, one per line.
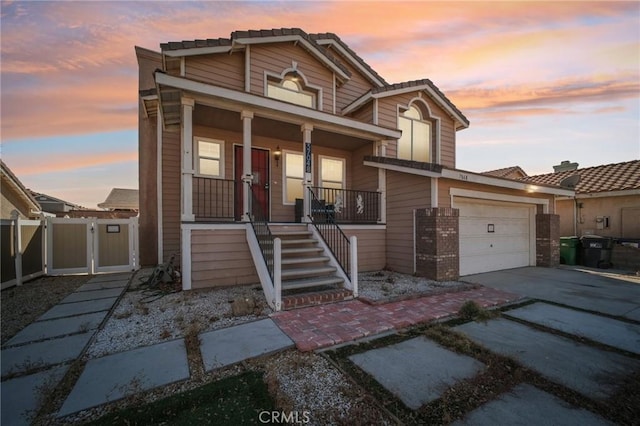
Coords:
547,240
437,244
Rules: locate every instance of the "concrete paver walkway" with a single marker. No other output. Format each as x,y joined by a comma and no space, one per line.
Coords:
619,334
588,370
526,405
327,325
417,371
55,339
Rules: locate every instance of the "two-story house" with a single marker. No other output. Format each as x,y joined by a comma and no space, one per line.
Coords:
282,157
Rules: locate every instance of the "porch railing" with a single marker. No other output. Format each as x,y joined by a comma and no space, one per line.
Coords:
214,199
350,206
323,218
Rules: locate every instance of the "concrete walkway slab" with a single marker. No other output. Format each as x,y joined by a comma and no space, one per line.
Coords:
58,327
417,371
22,397
119,375
42,354
110,277
83,296
78,308
228,346
103,285
591,290
593,372
524,404
618,334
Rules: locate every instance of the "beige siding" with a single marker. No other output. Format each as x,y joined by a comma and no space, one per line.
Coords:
405,193
221,69
371,248
444,196
363,177
10,200
171,182
221,258
276,58
147,163
364,114
353,89
387,116
623,213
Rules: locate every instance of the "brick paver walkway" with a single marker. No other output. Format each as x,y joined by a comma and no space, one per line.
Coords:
327,325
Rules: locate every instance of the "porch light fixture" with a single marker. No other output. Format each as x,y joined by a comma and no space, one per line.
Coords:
276,155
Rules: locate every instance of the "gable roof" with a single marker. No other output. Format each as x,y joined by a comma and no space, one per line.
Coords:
121,199
410,86
357,61
196,47
51,199
507,172
8,178
605,178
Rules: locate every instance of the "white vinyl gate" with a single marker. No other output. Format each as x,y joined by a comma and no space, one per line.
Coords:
91,246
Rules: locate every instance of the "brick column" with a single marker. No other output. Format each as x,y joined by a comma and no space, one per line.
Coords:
437,243
547,240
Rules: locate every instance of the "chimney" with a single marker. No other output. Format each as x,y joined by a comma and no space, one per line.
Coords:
565,166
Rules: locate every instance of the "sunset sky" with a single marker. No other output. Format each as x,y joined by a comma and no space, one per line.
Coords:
541,82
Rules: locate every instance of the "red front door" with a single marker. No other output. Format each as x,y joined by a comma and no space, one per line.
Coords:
260,172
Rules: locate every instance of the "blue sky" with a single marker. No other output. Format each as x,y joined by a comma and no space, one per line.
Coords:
541,82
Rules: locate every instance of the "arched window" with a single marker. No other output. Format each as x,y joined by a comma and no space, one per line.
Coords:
291,89
415,142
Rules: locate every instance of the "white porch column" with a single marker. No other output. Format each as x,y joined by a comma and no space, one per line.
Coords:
382,181
187,159
247,175
308,168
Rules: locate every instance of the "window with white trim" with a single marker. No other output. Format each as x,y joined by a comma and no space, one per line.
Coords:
293,176
291,90
415,142
209,157
332,173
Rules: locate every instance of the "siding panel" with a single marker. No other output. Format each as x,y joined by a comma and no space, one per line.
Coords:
405,193
371,248
171,178
221,258
220,69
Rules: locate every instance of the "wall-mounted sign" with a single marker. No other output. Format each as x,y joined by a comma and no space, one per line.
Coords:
491,228
113,229
307,158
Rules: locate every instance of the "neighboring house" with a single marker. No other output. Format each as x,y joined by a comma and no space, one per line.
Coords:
241,137
15,196
606,202
514,172
121,199
54,205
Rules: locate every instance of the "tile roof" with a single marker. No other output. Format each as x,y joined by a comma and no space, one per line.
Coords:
420,83
332,36
609,177
506,172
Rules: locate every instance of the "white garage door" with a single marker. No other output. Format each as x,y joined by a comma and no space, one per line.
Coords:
495,235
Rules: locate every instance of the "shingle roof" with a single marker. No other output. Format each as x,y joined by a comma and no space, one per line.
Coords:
191,44
506,172
609,177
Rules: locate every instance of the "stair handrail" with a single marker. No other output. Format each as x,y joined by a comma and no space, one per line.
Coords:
323,219
260,224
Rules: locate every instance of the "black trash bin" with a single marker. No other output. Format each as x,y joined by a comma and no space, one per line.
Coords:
596,251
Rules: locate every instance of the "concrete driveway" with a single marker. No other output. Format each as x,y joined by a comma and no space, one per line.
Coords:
604,291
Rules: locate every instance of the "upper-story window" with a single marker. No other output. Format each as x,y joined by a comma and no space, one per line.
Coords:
415,142
291,89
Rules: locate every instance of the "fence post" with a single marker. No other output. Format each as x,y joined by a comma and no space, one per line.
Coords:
17,245
354,264
277,273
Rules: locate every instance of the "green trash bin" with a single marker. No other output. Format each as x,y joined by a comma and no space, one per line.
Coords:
569,248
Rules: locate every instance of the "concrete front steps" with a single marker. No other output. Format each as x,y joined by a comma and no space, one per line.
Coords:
307,276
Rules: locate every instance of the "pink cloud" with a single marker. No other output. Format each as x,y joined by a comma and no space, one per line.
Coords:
54,163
